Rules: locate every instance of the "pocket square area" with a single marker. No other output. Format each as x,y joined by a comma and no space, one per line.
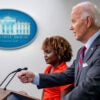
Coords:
85,64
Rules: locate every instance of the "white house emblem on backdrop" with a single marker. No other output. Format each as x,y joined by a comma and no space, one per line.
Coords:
10,26
17,29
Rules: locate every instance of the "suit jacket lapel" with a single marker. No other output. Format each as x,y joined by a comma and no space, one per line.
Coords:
78,72
92,48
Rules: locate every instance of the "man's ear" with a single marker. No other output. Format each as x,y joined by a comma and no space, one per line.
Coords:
90,21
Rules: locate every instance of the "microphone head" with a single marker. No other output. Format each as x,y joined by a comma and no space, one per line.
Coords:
25,68
18,70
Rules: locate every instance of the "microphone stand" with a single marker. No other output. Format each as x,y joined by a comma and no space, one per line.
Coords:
15,71
9,81
5,78
19,69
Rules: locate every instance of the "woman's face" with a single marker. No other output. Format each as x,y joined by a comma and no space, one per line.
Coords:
50,56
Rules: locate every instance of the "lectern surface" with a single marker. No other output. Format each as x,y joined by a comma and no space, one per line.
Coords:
13,95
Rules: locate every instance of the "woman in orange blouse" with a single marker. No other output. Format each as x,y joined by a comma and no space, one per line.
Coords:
57,51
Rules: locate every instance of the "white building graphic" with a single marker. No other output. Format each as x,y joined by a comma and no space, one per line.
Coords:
10,26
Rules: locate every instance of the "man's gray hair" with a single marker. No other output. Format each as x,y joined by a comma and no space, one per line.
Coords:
90,9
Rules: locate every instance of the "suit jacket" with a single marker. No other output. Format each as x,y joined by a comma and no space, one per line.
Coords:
87,80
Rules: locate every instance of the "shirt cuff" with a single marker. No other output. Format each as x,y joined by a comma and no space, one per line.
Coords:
36,79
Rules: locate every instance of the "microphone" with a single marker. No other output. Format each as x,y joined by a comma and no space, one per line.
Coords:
19,69
15,71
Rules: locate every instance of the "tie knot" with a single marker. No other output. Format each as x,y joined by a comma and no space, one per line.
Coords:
83,48
82,51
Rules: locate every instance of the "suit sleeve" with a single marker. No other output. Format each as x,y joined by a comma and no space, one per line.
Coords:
57,79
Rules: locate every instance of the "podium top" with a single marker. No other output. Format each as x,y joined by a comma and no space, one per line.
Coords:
5,93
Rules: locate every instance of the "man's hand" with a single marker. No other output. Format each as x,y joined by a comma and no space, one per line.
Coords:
26,76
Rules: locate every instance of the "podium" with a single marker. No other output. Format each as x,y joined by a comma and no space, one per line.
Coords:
13,95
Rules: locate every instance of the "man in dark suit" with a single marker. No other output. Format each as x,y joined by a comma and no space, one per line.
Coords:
85,24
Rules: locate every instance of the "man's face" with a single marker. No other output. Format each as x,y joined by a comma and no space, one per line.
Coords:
78,25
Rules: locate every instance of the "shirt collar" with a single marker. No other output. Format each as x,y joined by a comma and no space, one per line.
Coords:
90,41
